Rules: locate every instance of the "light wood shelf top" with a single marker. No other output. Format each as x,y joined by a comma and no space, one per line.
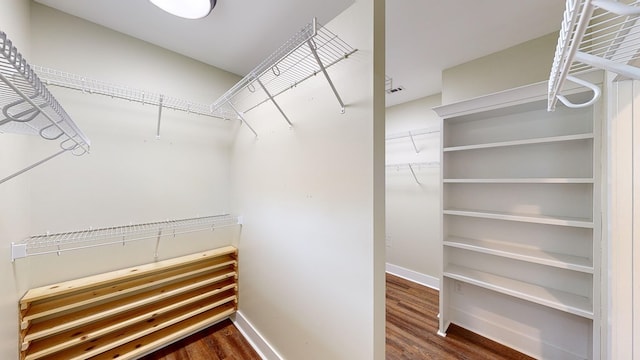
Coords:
73,345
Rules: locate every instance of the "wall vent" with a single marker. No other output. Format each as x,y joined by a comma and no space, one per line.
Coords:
395,90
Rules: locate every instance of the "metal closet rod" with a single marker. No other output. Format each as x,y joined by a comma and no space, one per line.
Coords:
89,238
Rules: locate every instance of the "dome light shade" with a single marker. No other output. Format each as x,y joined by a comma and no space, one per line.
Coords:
188,9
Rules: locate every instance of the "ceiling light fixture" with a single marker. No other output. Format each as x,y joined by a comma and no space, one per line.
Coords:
188,9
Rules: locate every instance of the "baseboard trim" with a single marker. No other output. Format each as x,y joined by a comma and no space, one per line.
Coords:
255,339
416,277
524,343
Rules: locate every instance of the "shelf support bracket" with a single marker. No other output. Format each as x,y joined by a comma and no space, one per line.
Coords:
242,118
33,165
273,101
159,116
326,75
414,174
155,255
413,142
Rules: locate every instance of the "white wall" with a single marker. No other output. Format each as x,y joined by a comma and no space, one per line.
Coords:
14,194
624,248
413,209
523,64
312,247
129,176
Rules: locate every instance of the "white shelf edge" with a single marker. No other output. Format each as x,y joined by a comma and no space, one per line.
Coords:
521,142
570,303
570,262
528,218
521,181
510,97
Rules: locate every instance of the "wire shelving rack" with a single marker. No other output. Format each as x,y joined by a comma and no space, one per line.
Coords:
29,108
309,52
595,34
89,238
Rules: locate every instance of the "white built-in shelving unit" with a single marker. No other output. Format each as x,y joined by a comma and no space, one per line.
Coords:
521,225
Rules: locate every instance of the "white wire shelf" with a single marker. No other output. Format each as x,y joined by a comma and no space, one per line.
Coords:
412,134
595,34
82,239
92,86
29,108
413,167
309,52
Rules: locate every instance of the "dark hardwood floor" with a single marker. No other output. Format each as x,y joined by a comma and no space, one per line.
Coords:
412,323
411,334
221,341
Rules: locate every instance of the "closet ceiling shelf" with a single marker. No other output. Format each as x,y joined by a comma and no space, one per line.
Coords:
309,52
88,238
594,34
29,108
92,86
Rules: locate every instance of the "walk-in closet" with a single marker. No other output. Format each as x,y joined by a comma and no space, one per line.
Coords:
349,179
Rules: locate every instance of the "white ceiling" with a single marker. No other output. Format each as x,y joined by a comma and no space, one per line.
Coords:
423,36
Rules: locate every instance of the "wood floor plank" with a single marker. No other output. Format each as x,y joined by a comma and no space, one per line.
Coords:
221,341
411,327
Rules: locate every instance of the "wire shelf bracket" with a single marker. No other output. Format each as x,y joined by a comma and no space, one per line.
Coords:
309,52
60,242
594,34
29,108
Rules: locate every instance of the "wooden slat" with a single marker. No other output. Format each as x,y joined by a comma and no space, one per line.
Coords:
119,275
218,281
133,284
135,349
93,345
